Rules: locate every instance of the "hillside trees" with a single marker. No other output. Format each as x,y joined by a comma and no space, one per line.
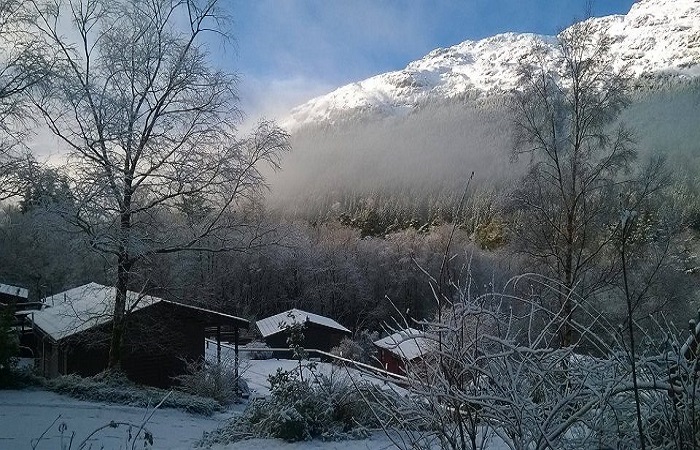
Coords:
580,164
155,164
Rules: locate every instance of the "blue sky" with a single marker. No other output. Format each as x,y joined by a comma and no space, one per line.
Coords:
288,51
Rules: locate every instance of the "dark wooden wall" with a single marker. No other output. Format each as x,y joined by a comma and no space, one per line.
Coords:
315,336
160,339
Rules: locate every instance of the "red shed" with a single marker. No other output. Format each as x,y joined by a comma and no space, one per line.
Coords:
397,349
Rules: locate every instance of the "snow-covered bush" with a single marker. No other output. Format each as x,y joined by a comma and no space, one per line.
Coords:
317,407
217,381
671,418
113,387
360,348
497,373
21,378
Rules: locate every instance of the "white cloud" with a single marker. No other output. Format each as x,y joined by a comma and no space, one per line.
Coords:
273,98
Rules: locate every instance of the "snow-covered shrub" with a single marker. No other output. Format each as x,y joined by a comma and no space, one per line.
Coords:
292,413
21,378
258,350
113,387
325,407
217,381
496,372
319,407
360,349
671,418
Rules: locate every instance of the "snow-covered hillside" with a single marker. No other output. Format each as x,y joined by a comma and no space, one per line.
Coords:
655,37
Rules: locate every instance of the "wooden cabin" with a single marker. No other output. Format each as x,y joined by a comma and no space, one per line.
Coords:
320,333
72,334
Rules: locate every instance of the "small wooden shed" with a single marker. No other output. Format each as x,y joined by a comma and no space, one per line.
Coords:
320,333
72,334
400,348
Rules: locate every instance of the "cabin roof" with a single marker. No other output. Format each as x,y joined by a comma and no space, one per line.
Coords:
277,323
408,344
85,307
14,291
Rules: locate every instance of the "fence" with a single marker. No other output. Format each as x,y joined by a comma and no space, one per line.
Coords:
377,372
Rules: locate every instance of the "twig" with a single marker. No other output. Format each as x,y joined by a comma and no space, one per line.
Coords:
143,424
35,442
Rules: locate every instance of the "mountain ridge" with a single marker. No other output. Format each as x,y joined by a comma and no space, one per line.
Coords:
655,38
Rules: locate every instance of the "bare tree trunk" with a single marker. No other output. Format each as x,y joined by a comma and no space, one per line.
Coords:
567,309
626,225
119,319
119,315
124,265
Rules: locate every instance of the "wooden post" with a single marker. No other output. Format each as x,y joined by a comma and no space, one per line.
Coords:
235,350
218,345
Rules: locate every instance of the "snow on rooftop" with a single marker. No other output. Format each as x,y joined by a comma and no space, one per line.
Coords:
408,344
82,308
275,324
13,290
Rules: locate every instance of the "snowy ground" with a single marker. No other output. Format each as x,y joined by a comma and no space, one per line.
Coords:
25,415
255,372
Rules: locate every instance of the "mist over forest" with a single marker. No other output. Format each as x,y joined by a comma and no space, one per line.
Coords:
361,211
426,157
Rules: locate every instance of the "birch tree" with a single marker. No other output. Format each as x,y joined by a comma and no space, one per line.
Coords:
565,115
20,69
150,124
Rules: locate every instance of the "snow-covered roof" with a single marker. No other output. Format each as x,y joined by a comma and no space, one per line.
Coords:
13,291
227,319
274,324
82,308
408,344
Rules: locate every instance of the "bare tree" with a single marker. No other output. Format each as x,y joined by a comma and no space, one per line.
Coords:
569,100
20,69
150,125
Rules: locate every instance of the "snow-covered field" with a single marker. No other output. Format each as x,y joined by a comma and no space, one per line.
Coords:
25,415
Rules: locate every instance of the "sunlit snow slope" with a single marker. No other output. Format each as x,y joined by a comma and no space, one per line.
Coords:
656,37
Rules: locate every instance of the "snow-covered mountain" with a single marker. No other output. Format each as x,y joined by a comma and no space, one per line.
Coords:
656,37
